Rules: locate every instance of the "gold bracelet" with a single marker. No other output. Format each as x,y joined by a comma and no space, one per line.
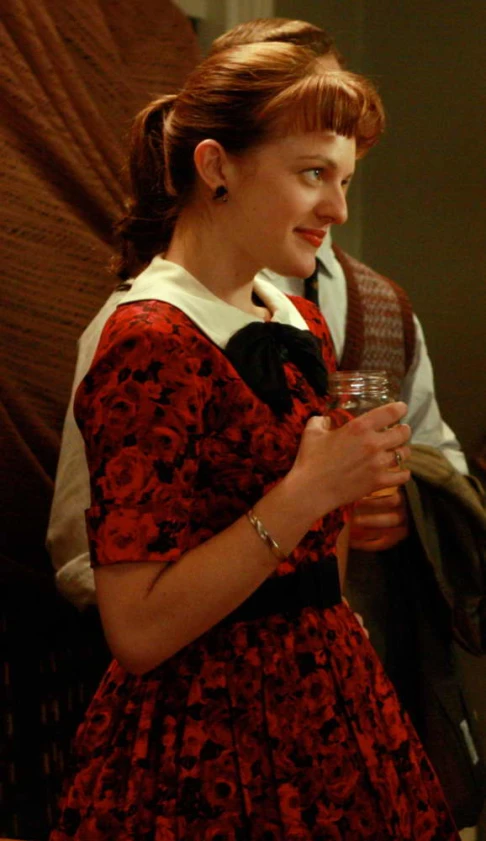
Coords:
265,536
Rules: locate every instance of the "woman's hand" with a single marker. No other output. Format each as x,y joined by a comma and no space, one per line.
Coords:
337,467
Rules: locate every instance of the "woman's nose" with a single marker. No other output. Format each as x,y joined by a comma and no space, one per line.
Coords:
333,209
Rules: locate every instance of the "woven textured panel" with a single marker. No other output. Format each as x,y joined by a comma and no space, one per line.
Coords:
72,77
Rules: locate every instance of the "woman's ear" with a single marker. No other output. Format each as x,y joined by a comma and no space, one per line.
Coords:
210,160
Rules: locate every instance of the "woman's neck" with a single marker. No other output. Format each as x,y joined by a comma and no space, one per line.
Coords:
214,264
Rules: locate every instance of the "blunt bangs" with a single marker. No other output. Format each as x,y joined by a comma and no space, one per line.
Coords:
332,100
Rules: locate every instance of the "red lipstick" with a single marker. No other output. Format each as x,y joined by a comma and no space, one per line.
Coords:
313,235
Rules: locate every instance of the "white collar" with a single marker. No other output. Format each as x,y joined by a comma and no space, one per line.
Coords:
169,282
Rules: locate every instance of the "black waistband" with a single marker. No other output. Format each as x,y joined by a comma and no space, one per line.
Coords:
311,585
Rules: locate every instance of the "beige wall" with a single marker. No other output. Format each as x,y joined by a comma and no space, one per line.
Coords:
420,212
424,201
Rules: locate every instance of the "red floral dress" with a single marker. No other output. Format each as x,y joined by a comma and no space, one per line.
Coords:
280,728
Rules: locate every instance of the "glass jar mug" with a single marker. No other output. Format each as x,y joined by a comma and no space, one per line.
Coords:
352,393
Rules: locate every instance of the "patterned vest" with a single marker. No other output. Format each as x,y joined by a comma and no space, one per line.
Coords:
380,332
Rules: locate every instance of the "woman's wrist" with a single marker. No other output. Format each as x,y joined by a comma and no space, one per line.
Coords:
265,535
287,512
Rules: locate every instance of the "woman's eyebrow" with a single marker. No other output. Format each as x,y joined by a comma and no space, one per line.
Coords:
325,161
330,163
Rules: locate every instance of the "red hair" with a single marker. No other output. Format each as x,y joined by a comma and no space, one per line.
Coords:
240,97
284,31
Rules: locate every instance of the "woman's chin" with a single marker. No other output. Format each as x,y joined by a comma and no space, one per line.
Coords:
294,268
304,271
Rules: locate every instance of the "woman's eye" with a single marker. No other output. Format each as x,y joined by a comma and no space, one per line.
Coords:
315,174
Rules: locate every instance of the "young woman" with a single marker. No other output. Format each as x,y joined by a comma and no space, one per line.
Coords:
244,702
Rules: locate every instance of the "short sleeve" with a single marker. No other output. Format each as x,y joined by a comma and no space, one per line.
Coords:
140,410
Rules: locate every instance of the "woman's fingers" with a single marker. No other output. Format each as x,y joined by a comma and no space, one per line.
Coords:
356,459
380,418
319,423
396,437
396,458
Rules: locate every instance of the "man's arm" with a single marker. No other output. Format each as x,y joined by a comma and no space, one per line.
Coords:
67,541
418,392
381,523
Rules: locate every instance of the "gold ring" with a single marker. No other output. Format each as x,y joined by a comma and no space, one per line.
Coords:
398,459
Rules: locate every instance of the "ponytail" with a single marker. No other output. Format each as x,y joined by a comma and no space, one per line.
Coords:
146,228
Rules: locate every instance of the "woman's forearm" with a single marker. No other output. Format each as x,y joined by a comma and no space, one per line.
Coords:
150,613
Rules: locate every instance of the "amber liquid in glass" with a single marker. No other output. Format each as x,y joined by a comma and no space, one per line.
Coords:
356,392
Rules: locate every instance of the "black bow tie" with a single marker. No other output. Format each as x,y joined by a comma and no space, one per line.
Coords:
258,352
311,286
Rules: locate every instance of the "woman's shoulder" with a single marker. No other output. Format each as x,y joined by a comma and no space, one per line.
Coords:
150,326
146,342
149,355
160,316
